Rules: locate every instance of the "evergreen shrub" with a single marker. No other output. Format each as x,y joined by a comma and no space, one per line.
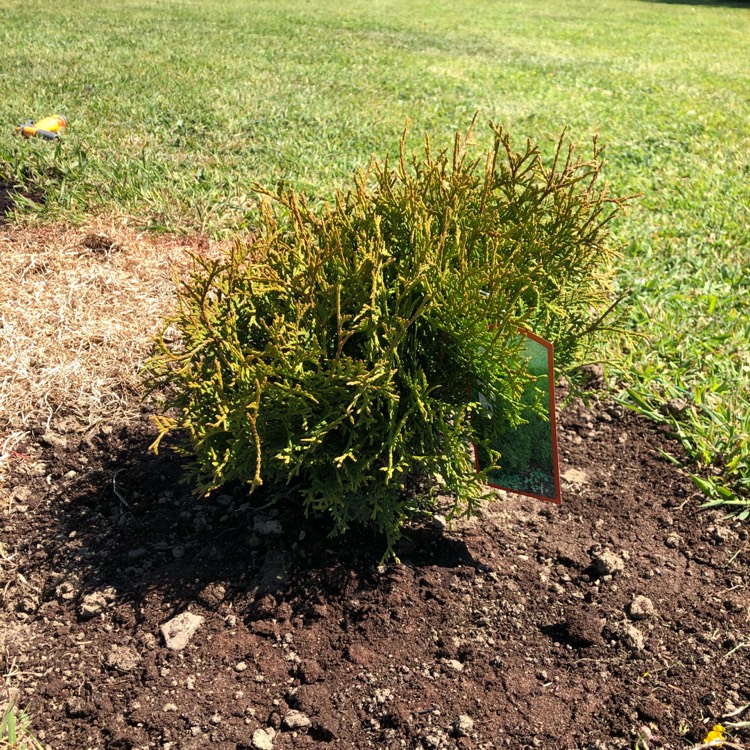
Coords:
339,355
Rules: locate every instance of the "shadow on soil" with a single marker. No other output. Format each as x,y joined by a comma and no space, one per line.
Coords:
138,528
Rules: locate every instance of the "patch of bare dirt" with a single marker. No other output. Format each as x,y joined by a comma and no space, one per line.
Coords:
624,613
134,615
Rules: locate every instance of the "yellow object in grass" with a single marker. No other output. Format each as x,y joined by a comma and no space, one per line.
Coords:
716,736
48,128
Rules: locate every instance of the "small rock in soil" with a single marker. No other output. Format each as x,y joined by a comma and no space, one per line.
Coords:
261,741
123,658
149,641
454,664
575,476
55,441
607,563
66,591
673,541
641,608
179,630
463,726
310,671
439,522
296,720
268,526
436,740
95,603
720,534
29,604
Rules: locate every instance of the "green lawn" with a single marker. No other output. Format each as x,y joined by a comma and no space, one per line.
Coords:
178,106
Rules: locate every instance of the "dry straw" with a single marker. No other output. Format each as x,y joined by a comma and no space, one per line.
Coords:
77,308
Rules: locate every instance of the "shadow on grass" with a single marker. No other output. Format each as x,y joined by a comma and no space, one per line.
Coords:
10,193
6,200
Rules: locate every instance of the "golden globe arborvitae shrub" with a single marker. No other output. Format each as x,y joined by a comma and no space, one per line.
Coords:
338,353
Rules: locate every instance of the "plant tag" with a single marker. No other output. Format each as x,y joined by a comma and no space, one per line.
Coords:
528,452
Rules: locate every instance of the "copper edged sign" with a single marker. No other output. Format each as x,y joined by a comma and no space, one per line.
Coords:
528,463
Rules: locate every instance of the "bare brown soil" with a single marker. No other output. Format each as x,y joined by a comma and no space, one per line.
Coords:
619,620
520,628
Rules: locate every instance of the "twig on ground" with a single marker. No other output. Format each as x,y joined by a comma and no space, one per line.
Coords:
737,711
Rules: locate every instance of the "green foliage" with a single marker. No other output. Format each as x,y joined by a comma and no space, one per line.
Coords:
532,445
337,353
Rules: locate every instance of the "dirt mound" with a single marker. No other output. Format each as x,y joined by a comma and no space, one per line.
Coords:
624,613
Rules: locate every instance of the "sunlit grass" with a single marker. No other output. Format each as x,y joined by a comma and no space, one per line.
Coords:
15,729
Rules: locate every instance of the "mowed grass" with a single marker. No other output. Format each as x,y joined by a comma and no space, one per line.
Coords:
177,107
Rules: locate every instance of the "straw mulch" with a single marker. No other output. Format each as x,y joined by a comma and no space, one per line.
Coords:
78,307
